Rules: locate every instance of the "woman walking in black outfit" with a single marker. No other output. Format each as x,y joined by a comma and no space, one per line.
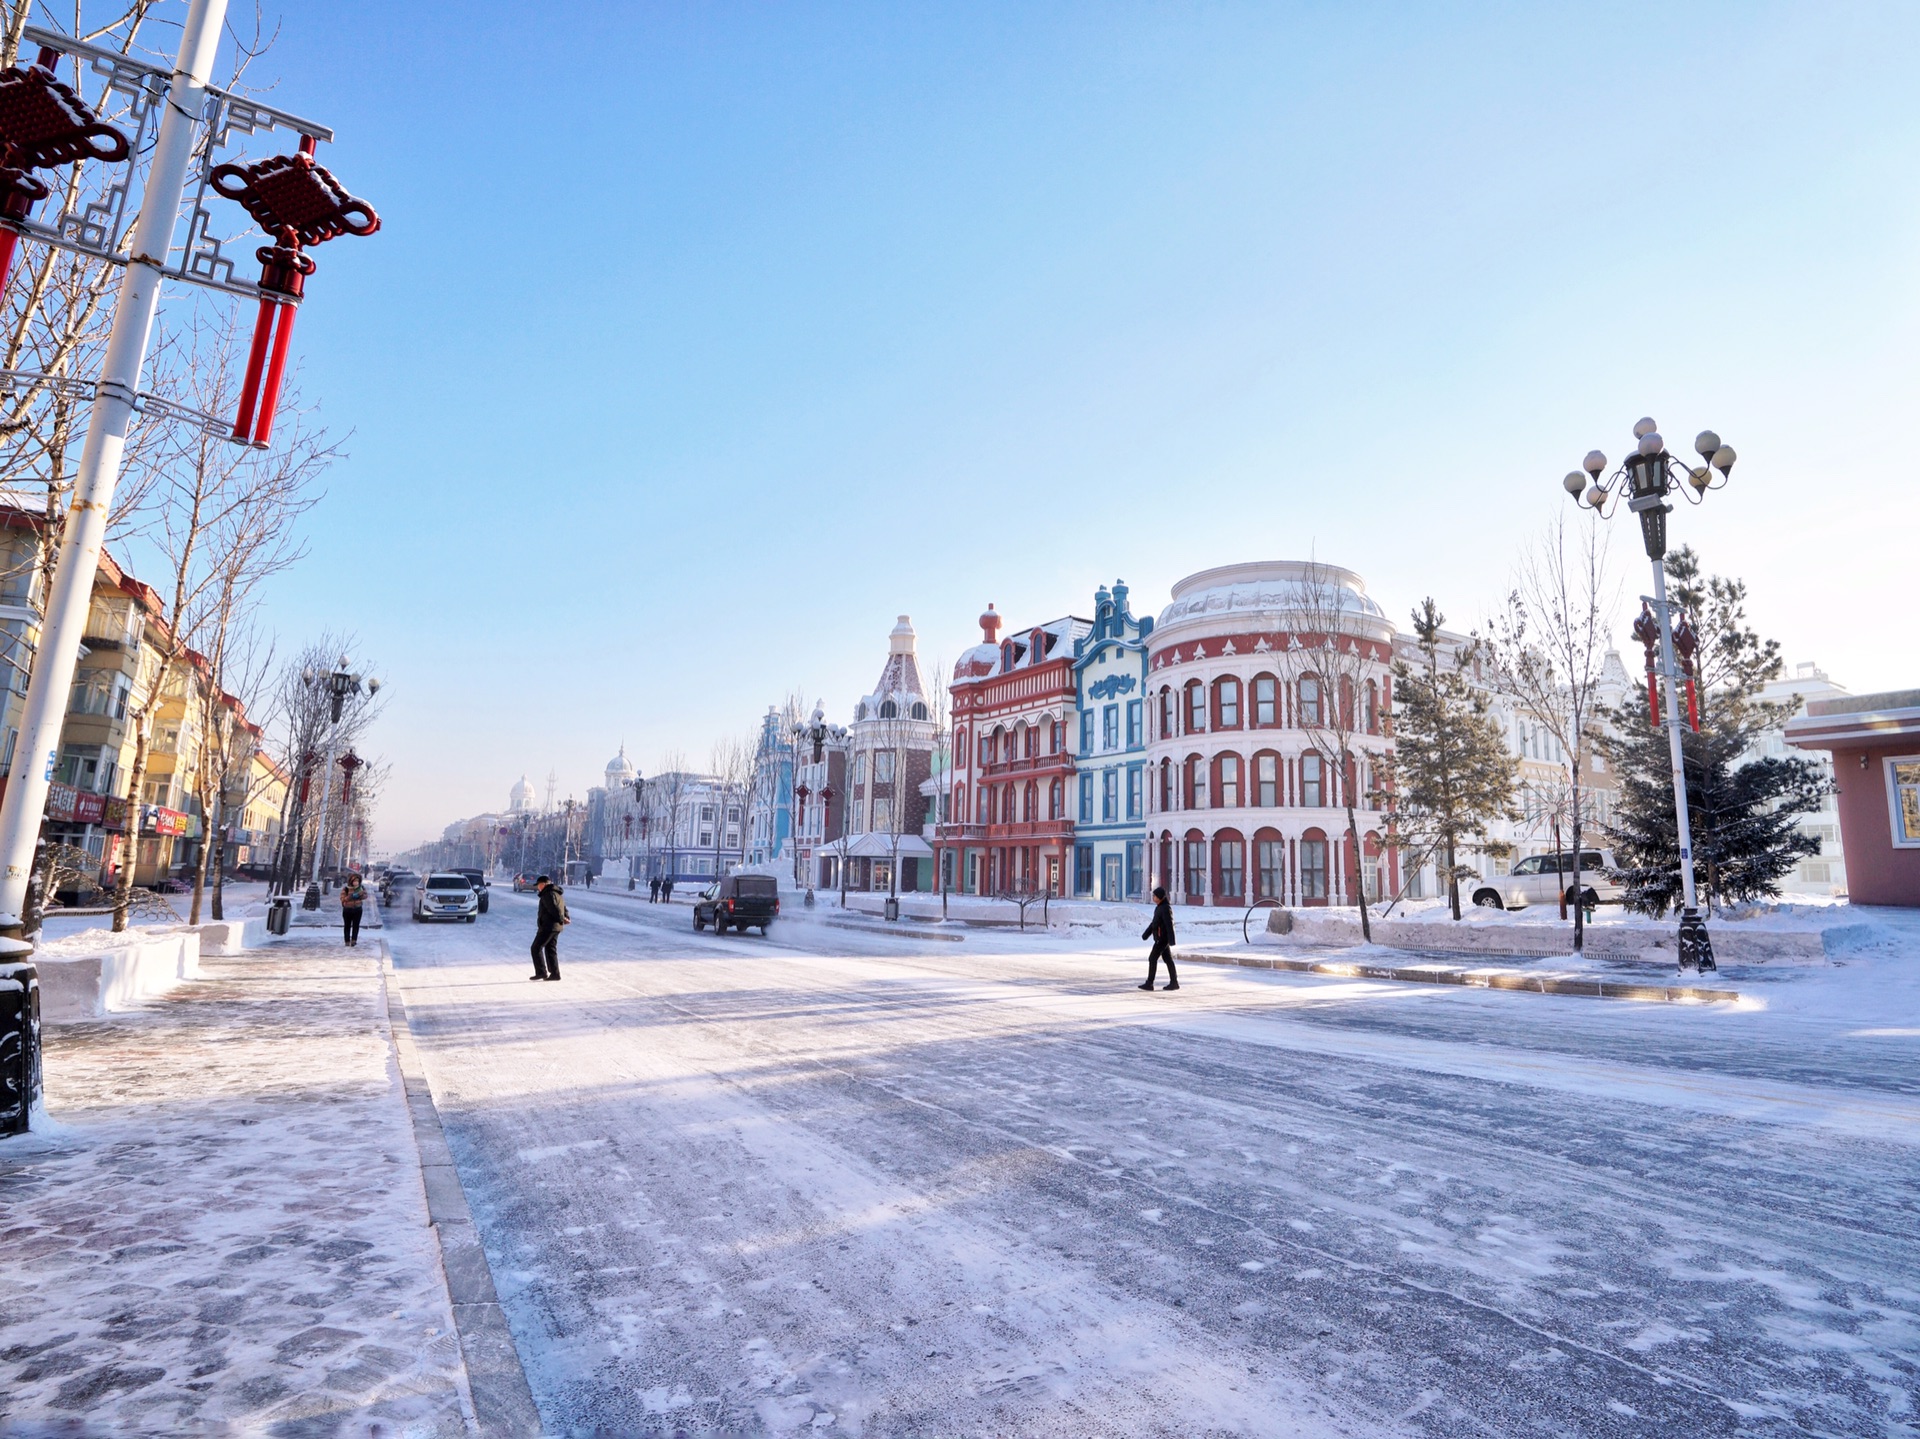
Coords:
1160,930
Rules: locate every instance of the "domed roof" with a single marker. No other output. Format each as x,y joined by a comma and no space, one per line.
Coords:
619,768
1273,587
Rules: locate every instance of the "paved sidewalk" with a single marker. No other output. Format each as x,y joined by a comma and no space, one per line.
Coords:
225,1229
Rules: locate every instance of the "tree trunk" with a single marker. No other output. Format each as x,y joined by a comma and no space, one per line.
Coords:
220,867
1579,888
1453,880
1359,873
200,863
136,777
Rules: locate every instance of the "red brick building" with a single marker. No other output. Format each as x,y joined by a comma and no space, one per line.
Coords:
1010,826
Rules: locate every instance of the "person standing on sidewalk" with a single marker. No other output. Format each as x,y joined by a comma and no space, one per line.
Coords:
1160,930
546,935
353,899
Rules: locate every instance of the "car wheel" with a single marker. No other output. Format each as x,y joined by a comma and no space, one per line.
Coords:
719,925
698,924
1488,899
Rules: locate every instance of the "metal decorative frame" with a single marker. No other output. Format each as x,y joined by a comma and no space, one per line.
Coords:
95,227
144,403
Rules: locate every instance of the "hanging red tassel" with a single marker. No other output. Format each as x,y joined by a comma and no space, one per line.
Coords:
1693,707
1654,717
256,360
276,369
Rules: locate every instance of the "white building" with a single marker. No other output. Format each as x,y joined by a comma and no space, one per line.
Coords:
1825,873
1241,804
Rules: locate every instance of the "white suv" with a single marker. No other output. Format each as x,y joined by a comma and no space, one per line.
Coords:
446,896
1541,879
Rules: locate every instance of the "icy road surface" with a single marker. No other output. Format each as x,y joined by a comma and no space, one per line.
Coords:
841,1183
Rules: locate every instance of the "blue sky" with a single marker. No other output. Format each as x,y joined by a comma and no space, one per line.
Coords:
701,341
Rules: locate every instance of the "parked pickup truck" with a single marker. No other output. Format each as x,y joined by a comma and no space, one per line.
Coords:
737,901
1540,879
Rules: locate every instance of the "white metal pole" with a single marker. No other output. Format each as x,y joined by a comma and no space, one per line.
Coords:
1673,736
38,747
326,792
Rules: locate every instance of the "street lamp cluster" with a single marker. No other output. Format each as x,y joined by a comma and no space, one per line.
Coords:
1645,479
338,686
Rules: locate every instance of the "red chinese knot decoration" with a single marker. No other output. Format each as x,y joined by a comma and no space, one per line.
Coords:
43,124
296,200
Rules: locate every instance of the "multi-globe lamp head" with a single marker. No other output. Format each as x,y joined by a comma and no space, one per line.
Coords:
1647,466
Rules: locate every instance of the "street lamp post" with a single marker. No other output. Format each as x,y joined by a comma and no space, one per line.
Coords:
638,784
339,686
1646,478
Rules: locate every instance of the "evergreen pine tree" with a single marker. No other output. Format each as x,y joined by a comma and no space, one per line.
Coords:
1451,772
1743,816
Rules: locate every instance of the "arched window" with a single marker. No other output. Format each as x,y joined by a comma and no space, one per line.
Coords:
1196,707
1309,700
1373,707
1166,787
957,806
1313,867
889,710
1194,869
1030,809
919,710
1196,782
1270,864
1313,781
1226,785
1346,700
1226,703
1166,712
1266,779
860,710
1266,702
1032,746
1056,800
1229,865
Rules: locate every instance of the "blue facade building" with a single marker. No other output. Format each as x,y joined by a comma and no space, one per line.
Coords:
770,805
1110,752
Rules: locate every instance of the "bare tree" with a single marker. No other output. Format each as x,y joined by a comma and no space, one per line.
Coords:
669,794
1548,647
1332,671
731,764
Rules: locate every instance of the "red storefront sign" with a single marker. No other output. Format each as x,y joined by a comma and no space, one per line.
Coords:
61,802
89,808
166,821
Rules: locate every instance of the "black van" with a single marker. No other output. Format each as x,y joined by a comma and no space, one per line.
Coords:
738,901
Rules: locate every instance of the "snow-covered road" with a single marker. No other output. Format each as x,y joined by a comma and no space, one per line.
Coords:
854,1183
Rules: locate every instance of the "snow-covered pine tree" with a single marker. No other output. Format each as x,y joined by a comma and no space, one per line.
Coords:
1743,815
1451,773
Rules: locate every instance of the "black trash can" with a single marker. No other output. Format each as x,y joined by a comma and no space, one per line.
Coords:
279,913
19,1044
893,908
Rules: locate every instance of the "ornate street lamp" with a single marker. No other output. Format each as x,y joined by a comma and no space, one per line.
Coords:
1647,477
339,686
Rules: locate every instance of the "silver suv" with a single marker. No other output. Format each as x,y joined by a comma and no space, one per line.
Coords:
1542,878
446,896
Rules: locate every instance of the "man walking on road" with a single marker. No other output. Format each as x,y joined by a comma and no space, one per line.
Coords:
653,890
553,919
1160,930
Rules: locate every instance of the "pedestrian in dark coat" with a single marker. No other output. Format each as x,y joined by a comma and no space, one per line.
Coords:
546,936
1160,930
666,889
653,890
353,899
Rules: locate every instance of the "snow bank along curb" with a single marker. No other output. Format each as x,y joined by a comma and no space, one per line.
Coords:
502,1401
1514,979
1732,944
90,983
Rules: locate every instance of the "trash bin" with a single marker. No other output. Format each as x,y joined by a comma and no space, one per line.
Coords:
279,914
893,907
19,1044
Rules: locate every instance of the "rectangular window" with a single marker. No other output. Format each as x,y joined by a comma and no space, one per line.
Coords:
1197,709
1196,856
1312,783
883,767
986,750
1903,799
1109,796
1110,727
1313,869
1229,781
1232,869
1083,869
1136,880
1086,799
706,839
1136,718
1086,731
1263,702
883,815
1271,856
1136,797
1230,704
1266,780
